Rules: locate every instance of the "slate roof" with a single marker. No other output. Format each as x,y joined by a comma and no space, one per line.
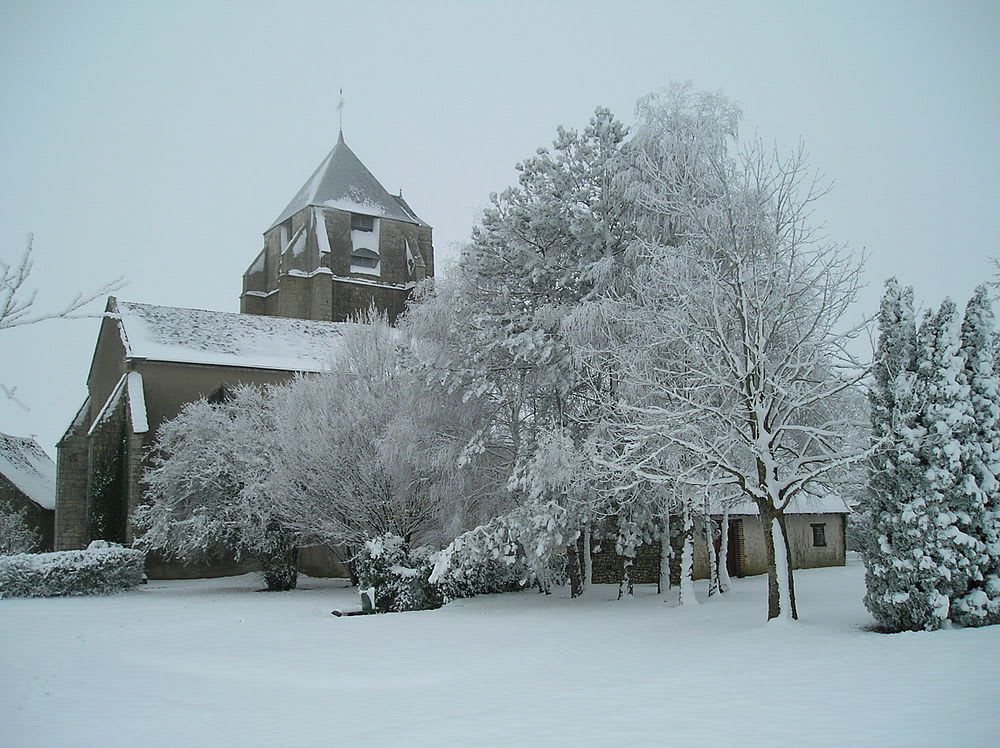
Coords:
25,464
198,336
342,181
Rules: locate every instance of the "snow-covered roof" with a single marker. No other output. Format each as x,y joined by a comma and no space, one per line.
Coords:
342,181
109,405
24,463
198,336
137,403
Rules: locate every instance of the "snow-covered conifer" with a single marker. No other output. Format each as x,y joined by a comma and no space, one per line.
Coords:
981,461
948,426
895,477
922,552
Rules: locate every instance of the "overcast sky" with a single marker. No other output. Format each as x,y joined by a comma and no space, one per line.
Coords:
157,140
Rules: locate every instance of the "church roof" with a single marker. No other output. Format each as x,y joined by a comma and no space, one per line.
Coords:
199,336
26,465
342,181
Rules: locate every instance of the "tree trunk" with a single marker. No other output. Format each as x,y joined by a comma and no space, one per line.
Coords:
780,589
687,596
676,550
573,570
588,561
714,585
625,586
725,583
666,551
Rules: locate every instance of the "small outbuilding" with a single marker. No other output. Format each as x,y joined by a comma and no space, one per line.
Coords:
816,537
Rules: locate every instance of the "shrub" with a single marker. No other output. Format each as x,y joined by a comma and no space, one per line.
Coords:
478,562
15,534
101,569
398,575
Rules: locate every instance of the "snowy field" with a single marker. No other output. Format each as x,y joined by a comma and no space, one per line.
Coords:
216,663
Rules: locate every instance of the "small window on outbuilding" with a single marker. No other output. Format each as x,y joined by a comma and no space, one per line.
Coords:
361,222
819,535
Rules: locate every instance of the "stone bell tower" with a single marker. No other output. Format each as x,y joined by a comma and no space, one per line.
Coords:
342,243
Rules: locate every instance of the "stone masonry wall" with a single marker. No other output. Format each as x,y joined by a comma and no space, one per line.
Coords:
72,469
107,488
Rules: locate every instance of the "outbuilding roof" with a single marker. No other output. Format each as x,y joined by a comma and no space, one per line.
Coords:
342,181
25,464
199,336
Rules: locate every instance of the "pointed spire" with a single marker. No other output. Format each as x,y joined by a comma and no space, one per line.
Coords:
341,181
340,112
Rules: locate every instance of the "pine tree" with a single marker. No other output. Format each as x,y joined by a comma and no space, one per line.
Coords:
981,461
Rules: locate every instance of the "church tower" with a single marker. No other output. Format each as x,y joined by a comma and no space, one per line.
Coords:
342,243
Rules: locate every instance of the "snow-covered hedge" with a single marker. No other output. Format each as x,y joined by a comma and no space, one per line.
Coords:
397,575
101,569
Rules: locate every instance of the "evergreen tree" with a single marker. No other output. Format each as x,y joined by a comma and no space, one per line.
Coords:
981,461
894,549
948,425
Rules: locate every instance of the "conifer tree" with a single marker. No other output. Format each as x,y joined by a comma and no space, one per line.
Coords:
948,425
981,461
893,550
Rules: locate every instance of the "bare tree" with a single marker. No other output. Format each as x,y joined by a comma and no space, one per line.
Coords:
17,302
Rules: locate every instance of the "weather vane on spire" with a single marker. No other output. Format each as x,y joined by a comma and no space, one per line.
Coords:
340,110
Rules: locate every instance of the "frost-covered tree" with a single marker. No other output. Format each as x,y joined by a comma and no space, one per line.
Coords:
926,550
951,501
736,302
341,472
205,488
16,536
892,547
495,331
981,461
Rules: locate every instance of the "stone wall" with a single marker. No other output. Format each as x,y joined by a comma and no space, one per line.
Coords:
607,564
108,483
309,292
349,298
72,470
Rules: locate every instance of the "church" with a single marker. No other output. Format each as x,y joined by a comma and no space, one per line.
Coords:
342,244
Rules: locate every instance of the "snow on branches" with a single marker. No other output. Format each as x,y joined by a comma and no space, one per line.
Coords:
932,555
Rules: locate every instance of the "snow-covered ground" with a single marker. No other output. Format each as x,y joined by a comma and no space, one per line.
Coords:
214,662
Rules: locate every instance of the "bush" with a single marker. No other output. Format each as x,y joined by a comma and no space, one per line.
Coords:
15,534
398,575
102,569
479,562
